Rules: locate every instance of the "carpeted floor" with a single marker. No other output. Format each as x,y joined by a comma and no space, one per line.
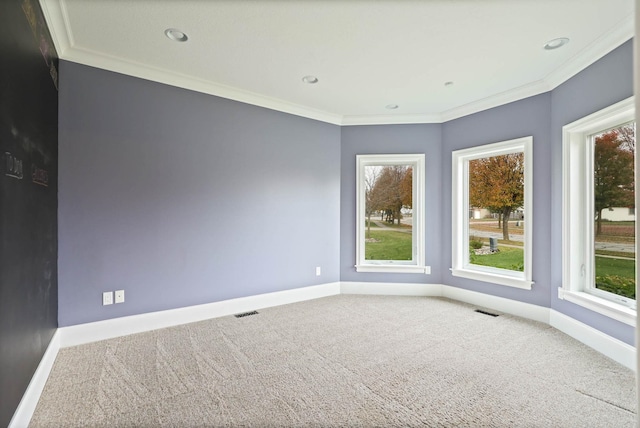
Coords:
341,361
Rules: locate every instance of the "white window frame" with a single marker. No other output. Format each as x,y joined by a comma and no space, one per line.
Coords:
460,214
578,252
417,264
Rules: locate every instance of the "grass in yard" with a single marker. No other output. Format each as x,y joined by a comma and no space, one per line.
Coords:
388,245
518,243
506,258
613,275
616,276
500,241
373,223
396,225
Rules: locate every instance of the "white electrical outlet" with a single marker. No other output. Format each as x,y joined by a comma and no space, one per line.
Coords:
318,271
119,296
107,298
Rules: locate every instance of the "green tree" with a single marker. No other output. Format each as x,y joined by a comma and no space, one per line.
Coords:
613,184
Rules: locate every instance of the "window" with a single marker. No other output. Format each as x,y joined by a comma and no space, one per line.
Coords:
599,212
491,213
390,213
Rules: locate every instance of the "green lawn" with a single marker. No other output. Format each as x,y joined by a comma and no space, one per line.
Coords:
616,276
506,258
613,275
391,245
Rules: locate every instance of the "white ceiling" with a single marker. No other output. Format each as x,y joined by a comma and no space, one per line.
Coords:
366,54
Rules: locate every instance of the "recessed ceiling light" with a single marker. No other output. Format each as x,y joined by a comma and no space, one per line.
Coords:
556,43
176,35
310,79
448,83
391,106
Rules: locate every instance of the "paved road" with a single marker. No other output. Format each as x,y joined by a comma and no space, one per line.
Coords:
382,226
609,246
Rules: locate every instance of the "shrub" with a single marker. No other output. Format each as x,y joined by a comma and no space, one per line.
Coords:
475,242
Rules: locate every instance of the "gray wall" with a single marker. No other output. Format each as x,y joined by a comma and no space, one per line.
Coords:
181,198
531,116
602,84
607,81
391,139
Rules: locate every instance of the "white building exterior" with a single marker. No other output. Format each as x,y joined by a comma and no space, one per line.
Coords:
619,214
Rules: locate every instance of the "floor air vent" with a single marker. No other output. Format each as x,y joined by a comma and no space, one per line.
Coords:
246,314
480,311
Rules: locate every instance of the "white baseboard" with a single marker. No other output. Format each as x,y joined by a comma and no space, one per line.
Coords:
525,310
500,304
84,333
390,289
613,348
29,401
116,327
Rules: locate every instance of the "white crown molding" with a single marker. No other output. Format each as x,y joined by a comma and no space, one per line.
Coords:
57,18
497,100
390,119
143,71
602,46
55,13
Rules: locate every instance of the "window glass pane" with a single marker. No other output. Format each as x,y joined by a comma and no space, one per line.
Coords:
497,212
388,213
613,198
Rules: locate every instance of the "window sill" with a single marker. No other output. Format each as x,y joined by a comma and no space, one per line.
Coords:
602,306
394,269
493,277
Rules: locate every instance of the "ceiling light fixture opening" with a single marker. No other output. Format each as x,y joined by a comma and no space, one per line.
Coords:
176,35
391,106
310,79
556,43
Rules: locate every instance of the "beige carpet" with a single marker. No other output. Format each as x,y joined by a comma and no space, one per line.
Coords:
341,361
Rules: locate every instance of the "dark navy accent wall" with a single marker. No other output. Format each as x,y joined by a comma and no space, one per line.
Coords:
28,197
528,117
391,139
182,198
602,84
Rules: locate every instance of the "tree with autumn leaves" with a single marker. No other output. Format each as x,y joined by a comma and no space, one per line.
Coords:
613,167
389,189
497,183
